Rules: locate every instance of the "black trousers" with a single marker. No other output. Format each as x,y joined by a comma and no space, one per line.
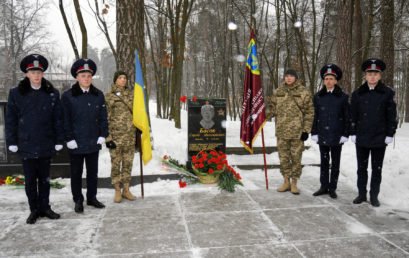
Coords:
377,155
37,183
77,166
328,153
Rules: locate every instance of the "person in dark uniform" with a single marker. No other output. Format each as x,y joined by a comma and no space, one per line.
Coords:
331,127
373,125
34,130
86,127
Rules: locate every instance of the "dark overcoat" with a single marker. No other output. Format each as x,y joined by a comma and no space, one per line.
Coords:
373,115
34,119
85,118
331,116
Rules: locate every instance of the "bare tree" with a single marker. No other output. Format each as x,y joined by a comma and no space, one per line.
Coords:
23,31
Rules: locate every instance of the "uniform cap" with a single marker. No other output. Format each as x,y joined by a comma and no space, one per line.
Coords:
331,69
83,65
33,62
374,65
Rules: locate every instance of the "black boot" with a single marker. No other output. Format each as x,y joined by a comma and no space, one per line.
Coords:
32,218
374,201
332,194
95,203
79,207
321,191
360,199
50,214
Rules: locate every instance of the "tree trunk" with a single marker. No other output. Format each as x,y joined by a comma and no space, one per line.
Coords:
358,44
68,29
84,34
130,35
387,40
344,40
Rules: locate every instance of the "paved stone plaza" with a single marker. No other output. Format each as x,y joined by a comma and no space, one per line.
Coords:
202,222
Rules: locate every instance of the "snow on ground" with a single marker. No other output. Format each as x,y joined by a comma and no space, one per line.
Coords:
171,141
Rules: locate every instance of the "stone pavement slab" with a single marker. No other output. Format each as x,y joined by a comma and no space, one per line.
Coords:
201,221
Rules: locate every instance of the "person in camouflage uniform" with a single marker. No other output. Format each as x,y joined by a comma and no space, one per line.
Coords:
121,141
291,105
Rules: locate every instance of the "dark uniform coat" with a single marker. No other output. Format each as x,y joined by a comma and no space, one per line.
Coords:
373,114
332,116
34,119
85,118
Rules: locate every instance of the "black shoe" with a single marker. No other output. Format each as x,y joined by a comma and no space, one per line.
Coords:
32,218
95,203
79,207
332,194
375,202
50,214
359,199
321,191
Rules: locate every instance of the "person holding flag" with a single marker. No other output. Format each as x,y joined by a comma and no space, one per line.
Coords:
121,139
291,105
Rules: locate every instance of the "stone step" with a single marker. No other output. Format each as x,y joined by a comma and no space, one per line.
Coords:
269,166
256,150
105,182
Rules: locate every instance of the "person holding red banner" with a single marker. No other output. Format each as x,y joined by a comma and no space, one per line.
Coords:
291,105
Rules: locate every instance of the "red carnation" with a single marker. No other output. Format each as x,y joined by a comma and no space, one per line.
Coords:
183,98
182,184
211,171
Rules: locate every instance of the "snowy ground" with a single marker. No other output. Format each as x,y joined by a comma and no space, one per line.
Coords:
200,221
171,141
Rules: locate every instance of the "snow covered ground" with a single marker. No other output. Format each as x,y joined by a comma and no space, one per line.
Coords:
171,141
201,221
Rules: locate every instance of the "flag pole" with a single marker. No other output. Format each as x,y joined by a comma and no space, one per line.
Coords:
139,139
264,155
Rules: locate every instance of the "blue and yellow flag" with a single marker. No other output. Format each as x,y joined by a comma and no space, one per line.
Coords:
140,112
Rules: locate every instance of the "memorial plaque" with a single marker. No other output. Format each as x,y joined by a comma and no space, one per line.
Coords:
206,125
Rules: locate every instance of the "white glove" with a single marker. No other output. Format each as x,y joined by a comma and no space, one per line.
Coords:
72,145
388,140
353,138
58,147
13,148
101,140
343,139
314,138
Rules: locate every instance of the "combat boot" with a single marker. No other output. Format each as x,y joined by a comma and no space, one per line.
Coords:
285,186
127,194
118,194
294,188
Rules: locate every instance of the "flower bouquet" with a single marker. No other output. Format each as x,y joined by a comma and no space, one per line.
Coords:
19,182
208,165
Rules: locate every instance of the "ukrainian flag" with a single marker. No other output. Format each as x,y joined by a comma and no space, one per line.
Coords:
140,112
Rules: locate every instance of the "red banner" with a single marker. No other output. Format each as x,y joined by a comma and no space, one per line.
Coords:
253,115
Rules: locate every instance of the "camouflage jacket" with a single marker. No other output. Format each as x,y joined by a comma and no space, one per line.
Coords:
293,110
119,104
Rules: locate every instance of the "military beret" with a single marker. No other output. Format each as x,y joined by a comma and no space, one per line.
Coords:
373,64
33,62
83,65
331,69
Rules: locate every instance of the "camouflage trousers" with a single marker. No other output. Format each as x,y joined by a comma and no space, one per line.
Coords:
121,161
290,154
